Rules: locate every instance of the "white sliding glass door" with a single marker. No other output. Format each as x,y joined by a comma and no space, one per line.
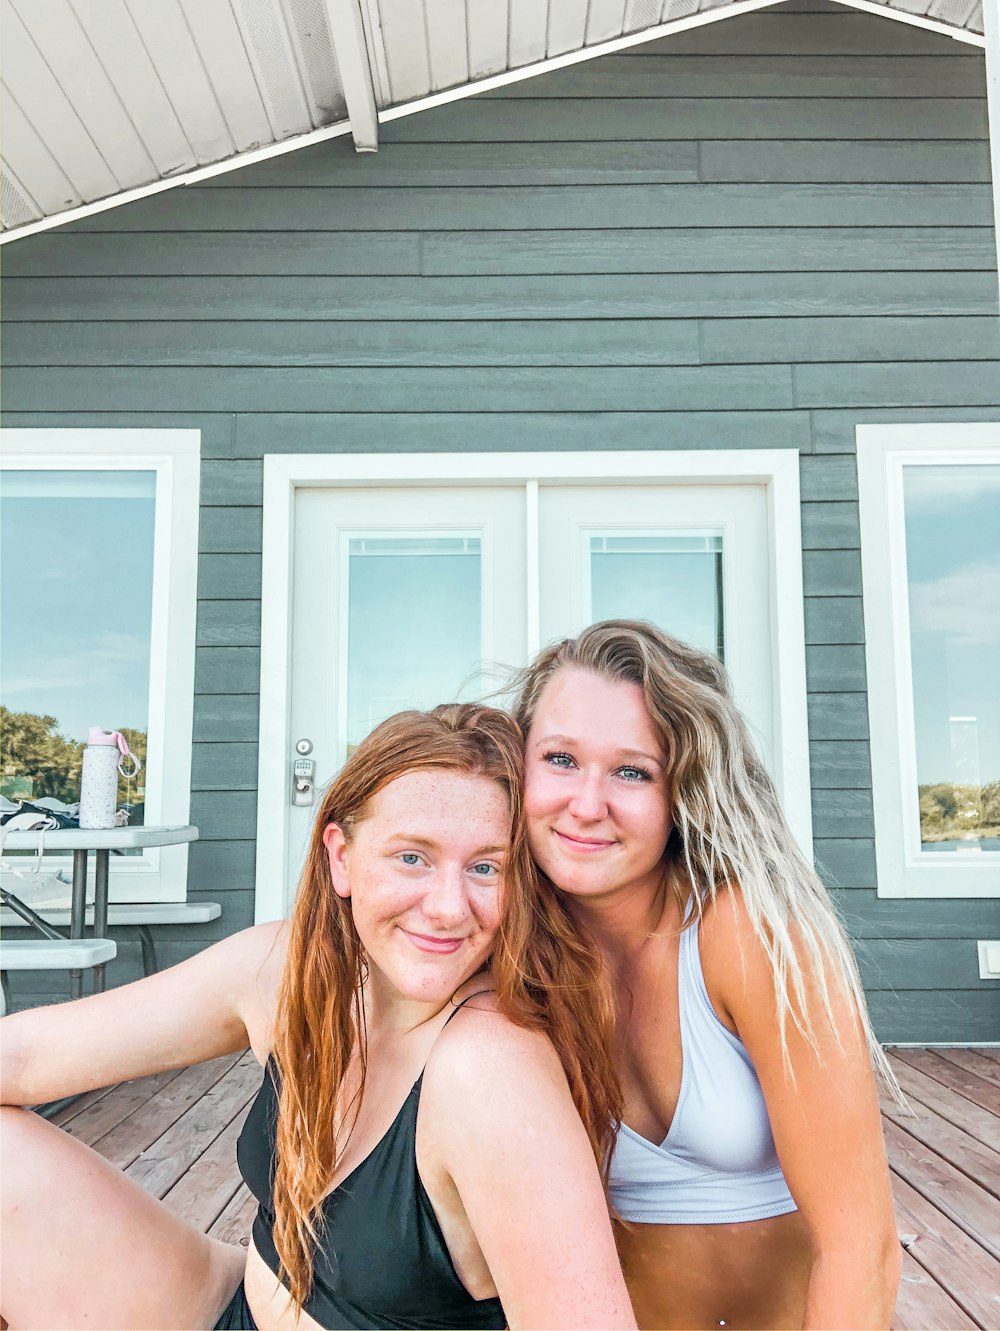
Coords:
402,599
691,559
429,586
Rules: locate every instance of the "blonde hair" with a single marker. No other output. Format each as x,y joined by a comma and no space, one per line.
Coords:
729,829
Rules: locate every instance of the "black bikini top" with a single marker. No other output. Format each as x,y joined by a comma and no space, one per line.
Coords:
381,1259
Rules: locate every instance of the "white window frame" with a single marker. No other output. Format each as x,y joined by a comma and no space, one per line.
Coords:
883,452
175,457
284,474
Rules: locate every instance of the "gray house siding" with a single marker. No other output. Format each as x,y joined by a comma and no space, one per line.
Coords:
757,234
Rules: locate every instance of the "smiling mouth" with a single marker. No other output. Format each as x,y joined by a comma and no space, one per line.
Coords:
588,845
431,943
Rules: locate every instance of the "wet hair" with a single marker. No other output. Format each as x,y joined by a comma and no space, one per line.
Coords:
547,977
729,831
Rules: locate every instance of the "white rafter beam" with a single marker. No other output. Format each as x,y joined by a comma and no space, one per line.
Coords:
351,50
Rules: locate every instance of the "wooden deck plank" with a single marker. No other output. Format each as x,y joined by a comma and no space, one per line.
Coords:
964,1202
97,1120
176,1135
187,1139
981,1163
958,1263
82,1102
236,1221
969,1085
125,1143
983,1062
204,1190
950,1105
923,1305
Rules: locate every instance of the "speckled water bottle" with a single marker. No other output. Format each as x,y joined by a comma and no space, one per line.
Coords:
99,782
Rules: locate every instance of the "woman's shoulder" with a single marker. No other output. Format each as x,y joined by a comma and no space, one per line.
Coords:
257,954
482,1053
725,920
734,960
257,962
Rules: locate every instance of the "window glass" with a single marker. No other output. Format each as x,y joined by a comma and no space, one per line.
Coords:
76,552
414,637
674,581
953,573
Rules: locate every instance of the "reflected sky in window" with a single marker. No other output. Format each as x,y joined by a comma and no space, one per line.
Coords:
414,626
953,567
77,576
674,581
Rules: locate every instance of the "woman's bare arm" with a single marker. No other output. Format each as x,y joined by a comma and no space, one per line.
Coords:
507,1133
215,1003
825,1120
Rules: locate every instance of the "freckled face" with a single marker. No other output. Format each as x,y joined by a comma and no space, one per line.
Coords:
595,786
422,872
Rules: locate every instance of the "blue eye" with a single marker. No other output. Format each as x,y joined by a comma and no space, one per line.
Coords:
558,760
634,774
485,869
410,858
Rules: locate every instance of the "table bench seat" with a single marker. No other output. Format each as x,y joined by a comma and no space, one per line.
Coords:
51,954
44,954
128,912
139,914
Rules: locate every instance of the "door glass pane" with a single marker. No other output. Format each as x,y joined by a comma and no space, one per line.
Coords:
953,575
75,618
674,581
414,636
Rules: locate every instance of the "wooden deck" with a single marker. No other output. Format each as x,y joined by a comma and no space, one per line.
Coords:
176,1135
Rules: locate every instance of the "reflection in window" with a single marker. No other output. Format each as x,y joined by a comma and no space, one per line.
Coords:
953,574
414,608
674,581
77,568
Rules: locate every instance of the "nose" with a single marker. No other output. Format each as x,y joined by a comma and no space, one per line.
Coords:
446,902
588,802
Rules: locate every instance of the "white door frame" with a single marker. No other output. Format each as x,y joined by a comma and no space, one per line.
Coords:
284,474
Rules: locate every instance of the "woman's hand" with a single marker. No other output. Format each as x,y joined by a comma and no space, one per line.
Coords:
823,1107
503,1132
215,1003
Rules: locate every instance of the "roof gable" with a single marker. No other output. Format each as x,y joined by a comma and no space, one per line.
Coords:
106,102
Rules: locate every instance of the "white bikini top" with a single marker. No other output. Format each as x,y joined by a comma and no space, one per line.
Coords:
717,1164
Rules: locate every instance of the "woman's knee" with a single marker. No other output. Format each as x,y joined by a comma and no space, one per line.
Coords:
39,1164
20,1146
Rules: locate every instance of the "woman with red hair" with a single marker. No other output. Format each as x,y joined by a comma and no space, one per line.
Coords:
425,1144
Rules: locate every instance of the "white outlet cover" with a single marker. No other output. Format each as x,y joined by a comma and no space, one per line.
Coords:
989,959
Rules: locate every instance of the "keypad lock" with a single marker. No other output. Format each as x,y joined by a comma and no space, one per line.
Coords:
303,781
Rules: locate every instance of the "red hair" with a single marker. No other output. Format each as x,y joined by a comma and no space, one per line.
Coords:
548,977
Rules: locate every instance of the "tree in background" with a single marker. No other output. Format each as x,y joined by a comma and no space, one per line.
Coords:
949,811
991,804
36,762
36,755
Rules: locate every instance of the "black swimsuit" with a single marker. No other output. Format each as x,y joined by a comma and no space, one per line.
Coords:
381,1260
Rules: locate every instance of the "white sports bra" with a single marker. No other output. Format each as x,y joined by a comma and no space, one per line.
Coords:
717,1164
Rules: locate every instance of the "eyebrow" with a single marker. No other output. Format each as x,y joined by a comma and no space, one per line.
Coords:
570,743
412,839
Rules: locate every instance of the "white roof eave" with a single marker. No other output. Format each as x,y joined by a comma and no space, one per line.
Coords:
346,25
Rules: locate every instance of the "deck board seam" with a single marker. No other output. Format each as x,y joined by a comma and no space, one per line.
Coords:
946,1209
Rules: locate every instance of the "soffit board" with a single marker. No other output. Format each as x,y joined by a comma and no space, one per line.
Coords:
104,99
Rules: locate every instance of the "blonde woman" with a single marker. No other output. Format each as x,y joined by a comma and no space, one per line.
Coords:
420,1160
749,1172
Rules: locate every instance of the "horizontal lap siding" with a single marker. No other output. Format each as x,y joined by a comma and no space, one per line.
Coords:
757,234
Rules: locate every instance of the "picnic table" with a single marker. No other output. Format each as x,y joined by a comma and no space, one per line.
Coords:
81,841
